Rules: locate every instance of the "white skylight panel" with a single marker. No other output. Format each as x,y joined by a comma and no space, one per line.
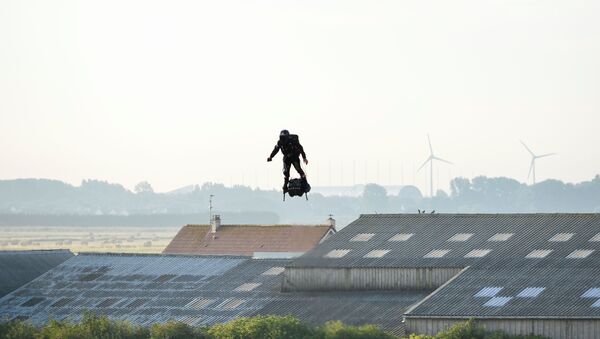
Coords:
488,292
232,304
277,270
593,292
596,237
501,236
200,303
401,237
247,287
497,301
362,237
376,254
477,253
580,254
337,253
596,304
436,254
562,237
538,254
531,292
461,237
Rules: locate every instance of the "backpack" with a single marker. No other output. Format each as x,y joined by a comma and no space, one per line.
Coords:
291,146
297,187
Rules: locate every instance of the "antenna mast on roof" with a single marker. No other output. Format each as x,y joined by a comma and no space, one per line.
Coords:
210,208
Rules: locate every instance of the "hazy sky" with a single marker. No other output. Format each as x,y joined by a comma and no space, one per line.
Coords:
180,92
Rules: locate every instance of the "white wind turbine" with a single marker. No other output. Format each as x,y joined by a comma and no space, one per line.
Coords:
533,159
430,160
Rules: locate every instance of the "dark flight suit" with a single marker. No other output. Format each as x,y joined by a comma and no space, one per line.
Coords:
291,149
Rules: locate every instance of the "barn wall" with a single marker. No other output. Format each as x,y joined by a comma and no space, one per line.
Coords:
364,278
552,328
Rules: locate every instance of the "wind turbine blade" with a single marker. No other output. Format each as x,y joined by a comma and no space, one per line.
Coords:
430,148
425,163
527,148
442,160
530,168
545,155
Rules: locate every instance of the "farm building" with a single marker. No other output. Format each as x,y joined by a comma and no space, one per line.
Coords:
198,290
248,240
557,298
519,273
20,267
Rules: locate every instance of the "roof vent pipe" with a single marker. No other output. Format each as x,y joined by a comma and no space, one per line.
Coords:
215,223
330,221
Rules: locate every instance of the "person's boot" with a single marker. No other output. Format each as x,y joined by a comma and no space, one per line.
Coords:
285,185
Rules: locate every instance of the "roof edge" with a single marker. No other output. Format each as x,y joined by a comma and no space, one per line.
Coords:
467,215
41,251
262,225
119,254
505,317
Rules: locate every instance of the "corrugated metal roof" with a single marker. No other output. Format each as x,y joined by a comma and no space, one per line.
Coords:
355,308
517,289
503,235
199,290
20,267
246,239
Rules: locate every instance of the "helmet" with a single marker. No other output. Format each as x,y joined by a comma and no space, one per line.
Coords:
284,133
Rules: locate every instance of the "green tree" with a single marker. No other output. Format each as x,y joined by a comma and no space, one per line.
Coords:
374,198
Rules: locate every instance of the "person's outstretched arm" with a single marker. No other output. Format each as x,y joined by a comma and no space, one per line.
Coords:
302,153
275,150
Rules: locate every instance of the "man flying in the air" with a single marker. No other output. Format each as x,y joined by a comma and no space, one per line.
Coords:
291,149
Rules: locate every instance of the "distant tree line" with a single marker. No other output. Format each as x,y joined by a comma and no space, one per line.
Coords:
109,202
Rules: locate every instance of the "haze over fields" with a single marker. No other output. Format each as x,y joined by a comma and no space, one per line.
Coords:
184,92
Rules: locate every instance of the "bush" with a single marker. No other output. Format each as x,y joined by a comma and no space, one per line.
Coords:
91,327
338,330
267,327
175,330
17,330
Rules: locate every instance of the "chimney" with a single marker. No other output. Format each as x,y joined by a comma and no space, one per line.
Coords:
215,223
330,221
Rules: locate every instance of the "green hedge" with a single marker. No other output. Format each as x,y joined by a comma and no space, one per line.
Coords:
260,327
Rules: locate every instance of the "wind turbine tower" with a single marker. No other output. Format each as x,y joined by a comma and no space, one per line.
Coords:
533,159
430,160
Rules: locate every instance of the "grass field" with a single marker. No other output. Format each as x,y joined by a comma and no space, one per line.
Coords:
128,239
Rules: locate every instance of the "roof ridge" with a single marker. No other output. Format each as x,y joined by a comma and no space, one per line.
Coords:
264,225
40,251
472,215
124,254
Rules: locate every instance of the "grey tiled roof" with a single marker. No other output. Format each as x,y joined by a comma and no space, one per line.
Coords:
199,290
430,232
517,291
20,267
